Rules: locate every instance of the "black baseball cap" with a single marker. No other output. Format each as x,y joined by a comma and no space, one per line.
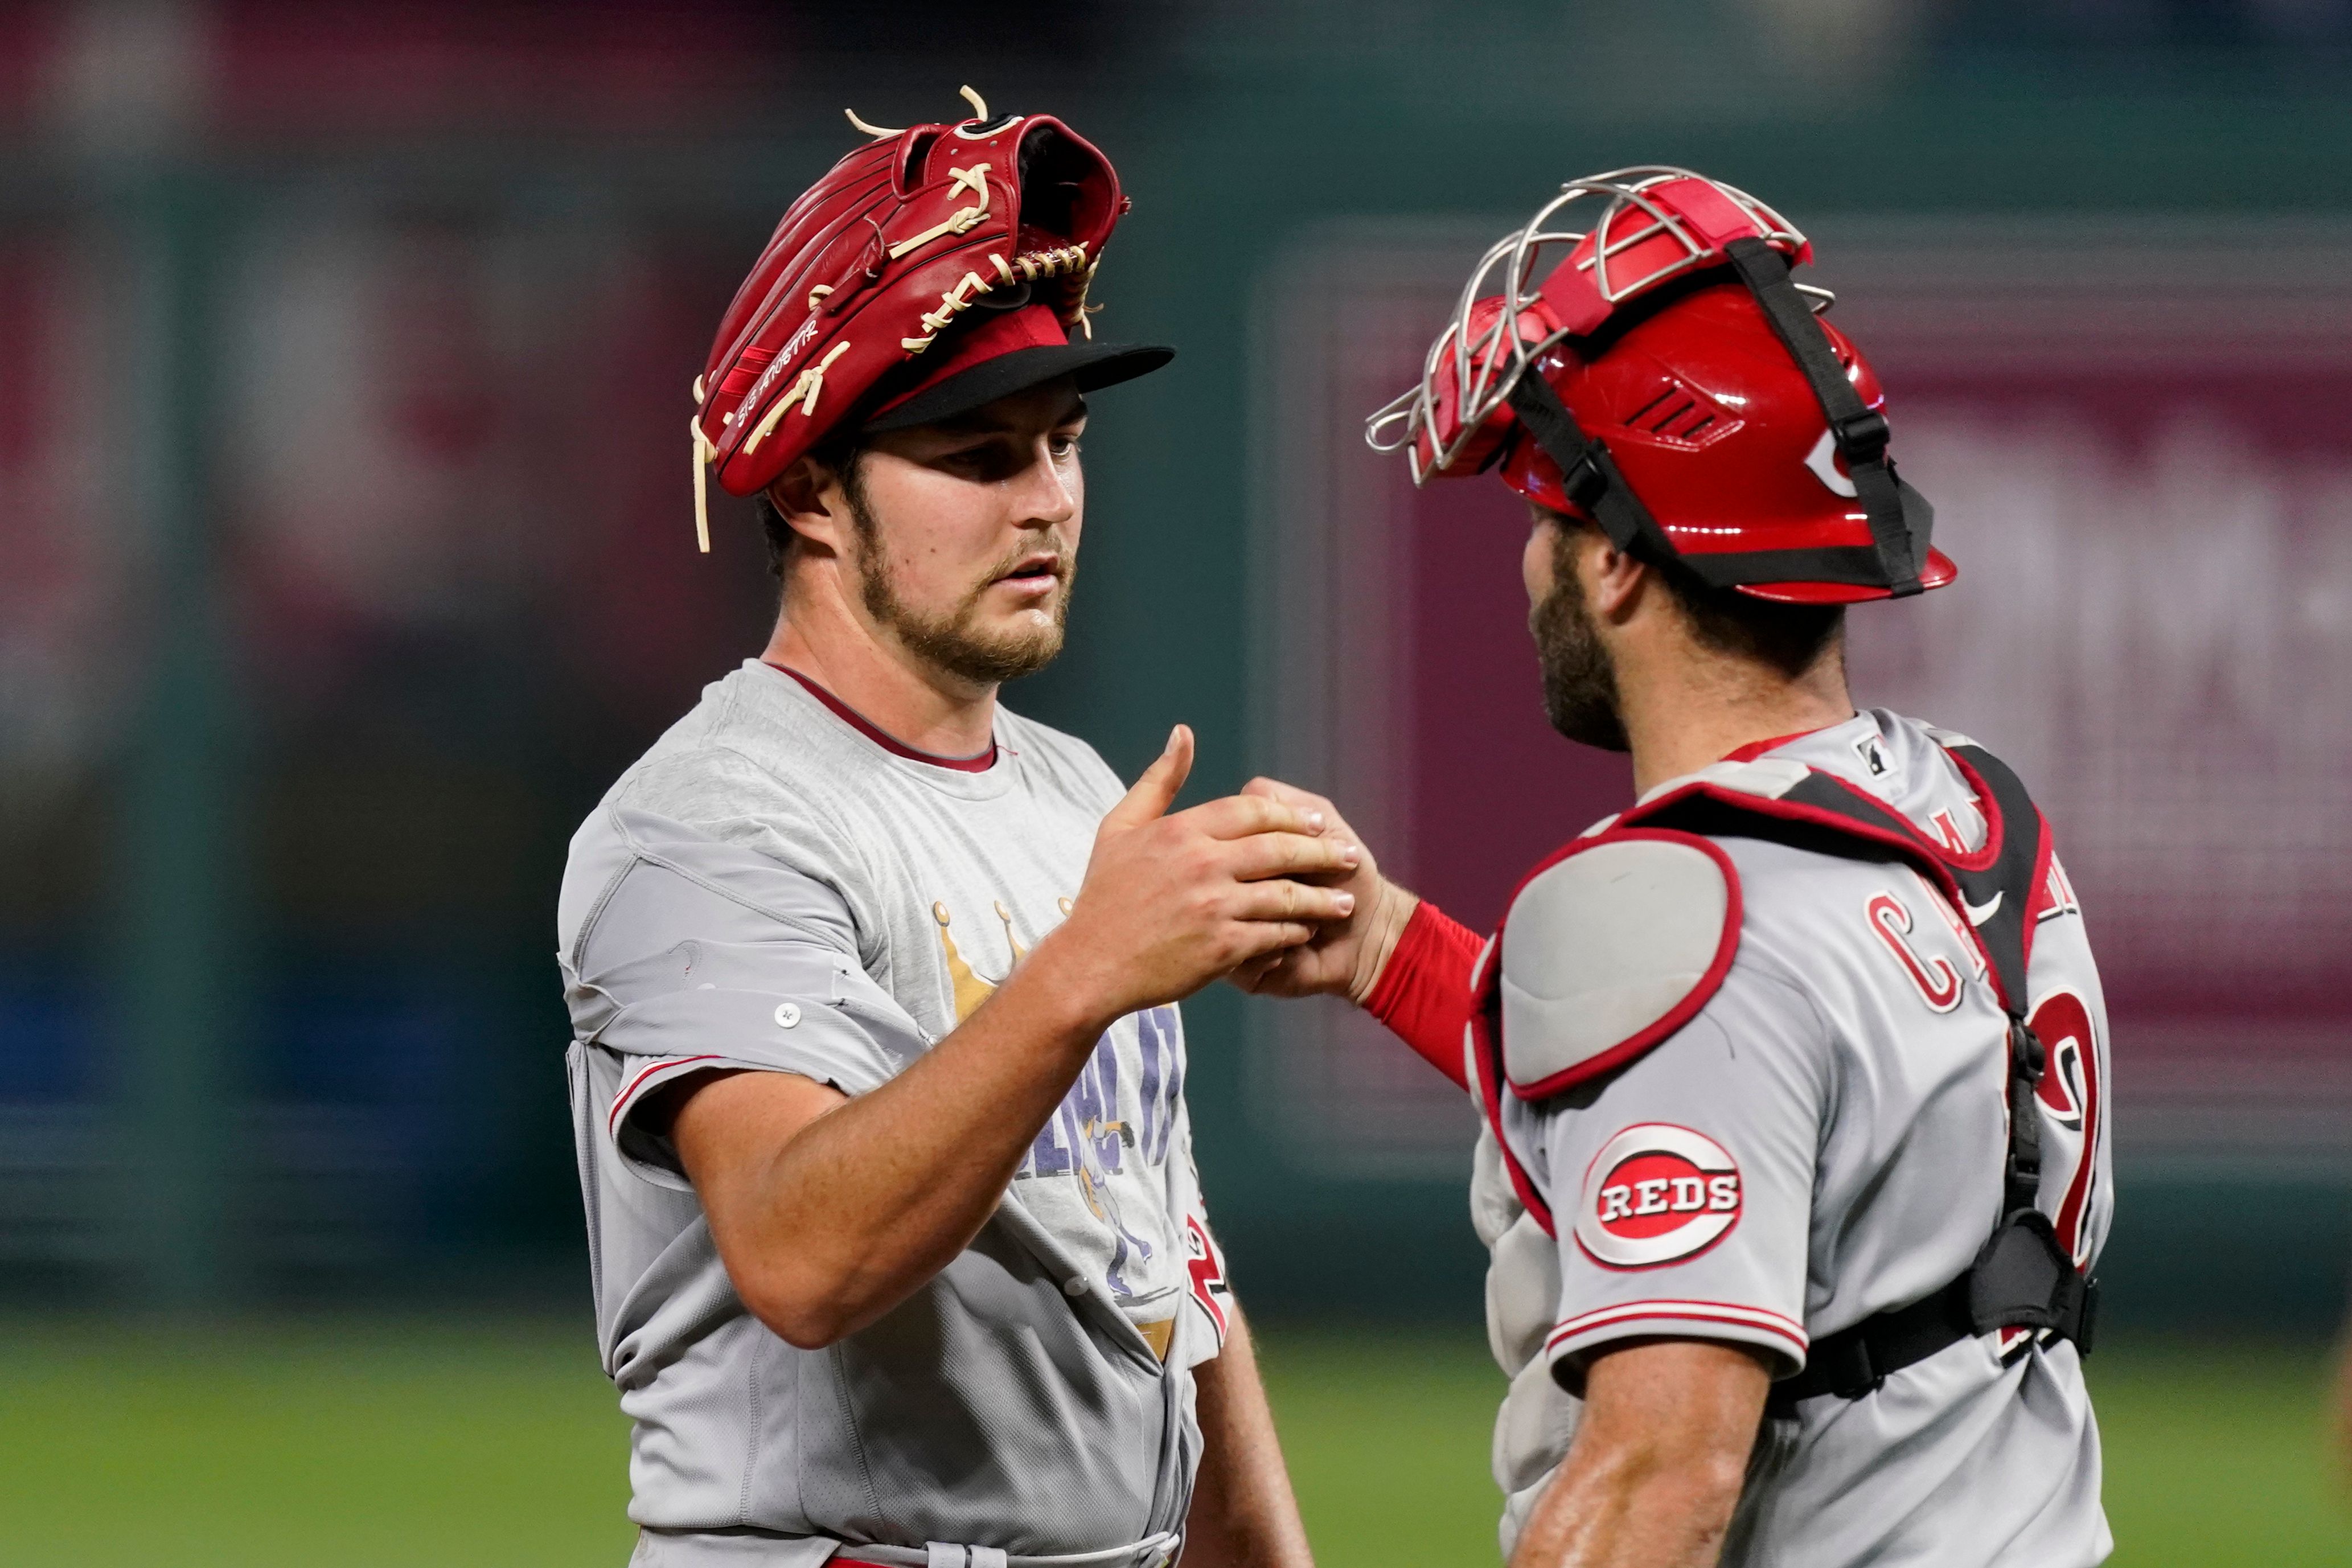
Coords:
1005,352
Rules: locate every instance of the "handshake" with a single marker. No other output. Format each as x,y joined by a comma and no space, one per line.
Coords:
1269,888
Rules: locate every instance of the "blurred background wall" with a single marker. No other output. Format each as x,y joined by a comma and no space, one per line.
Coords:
345,556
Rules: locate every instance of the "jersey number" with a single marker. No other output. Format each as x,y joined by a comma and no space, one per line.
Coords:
2075,1098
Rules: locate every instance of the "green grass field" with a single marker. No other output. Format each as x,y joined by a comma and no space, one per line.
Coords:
357,1445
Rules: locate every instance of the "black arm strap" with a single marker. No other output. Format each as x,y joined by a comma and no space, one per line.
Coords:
1855,1362
1859,431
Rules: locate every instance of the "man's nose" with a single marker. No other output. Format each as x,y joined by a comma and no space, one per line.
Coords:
1045,492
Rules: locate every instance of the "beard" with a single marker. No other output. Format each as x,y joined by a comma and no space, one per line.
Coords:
1579,684
953,641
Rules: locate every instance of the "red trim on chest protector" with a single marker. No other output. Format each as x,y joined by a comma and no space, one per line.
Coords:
1923,854
1978,859
1486,1012
1424,995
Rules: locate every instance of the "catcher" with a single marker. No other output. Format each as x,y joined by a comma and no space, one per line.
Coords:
877,1079
1796,1154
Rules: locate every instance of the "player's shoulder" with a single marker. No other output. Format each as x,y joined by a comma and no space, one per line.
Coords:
752,753
639,882
1609,946
1616,941
728,793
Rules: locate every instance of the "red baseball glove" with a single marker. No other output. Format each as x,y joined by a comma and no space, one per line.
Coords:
846,310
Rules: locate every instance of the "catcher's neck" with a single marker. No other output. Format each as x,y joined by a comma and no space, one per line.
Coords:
1686,706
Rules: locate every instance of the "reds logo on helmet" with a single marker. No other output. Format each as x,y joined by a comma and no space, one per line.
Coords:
1656,1193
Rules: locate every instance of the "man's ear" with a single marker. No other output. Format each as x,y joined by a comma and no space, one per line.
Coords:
807,496
1613,578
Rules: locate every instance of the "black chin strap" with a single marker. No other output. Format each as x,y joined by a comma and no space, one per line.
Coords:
1859,431
1589,474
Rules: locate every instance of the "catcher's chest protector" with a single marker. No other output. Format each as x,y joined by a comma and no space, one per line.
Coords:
1616,942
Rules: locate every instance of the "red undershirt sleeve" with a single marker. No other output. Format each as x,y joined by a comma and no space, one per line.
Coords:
1424,995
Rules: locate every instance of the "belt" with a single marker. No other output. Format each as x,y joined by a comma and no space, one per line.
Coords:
1153,1551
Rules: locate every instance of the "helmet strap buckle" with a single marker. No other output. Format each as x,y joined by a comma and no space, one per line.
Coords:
1584,481
1860,438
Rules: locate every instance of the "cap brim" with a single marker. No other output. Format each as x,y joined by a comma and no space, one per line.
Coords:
1938,571
1091,365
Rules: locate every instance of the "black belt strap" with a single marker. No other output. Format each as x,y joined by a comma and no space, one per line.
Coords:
1854,1362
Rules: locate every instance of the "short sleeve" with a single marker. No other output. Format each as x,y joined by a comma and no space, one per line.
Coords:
704,956
1681,1187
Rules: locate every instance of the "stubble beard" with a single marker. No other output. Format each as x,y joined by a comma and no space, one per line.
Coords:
953,641
1579,684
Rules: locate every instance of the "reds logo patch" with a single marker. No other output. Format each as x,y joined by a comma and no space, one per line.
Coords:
1656,1193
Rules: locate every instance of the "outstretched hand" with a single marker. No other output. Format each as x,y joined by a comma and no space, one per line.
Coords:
1170,903
1342,957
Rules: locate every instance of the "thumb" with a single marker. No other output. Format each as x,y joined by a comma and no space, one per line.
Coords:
1156,790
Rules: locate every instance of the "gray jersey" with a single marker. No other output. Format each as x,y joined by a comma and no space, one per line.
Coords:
1820,1140
773,888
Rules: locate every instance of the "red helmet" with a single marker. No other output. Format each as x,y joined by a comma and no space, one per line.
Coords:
1686,399
858,304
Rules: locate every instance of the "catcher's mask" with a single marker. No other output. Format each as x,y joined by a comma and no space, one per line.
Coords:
932,270
1686,398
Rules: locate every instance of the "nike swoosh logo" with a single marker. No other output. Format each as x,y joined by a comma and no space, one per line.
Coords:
1979,913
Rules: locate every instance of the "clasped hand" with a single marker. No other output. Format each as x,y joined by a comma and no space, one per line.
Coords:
1268,887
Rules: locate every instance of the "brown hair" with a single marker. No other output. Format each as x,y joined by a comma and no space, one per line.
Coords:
1789,638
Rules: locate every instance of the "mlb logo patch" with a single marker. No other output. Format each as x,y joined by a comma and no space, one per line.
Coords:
1873,756
1656,1193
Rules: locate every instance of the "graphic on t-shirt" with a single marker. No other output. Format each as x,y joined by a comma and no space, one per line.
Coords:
970,990
1087,1137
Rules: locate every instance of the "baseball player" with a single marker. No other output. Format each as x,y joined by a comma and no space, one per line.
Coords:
1795,1075
877,1079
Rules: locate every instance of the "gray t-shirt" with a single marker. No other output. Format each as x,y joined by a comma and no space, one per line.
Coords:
1822,1140
775,886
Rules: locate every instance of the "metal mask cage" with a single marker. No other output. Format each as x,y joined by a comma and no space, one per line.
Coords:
1487,363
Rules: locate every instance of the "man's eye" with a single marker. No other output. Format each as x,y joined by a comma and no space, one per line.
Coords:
1062,446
